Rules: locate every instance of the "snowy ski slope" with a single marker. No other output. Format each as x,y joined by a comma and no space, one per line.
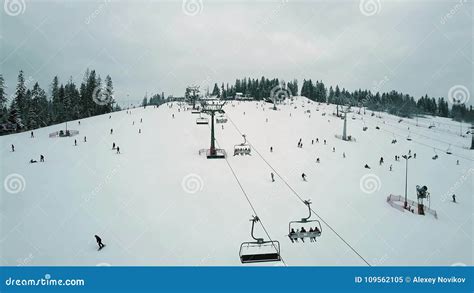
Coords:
160,203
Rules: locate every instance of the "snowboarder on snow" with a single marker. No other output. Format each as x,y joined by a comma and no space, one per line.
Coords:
390,167
33,161
271,149
324,141
140,130
99,242
113,145
42,158
85,139
32,135
454,197
381,161
118,150
75,142
111,130
366,166
333,149
273,178
13,148
317,160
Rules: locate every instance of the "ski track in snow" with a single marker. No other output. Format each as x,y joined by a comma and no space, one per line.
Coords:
160,203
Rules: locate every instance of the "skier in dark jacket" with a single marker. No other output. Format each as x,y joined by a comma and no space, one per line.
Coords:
303,176
99,242
13,148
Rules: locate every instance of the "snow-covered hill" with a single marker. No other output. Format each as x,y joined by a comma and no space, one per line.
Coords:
160,203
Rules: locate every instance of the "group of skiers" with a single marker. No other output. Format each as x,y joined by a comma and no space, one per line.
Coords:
115,147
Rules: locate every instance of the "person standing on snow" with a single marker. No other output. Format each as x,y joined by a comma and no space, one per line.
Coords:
273,178
99,242
13,148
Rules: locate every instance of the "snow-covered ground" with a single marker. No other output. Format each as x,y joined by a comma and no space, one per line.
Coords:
160,203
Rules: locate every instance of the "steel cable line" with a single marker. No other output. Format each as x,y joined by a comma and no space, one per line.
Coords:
252,206
300,198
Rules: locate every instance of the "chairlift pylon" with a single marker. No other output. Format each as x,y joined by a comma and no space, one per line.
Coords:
259,250
309,231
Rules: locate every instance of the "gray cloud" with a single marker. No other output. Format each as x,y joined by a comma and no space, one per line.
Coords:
418,47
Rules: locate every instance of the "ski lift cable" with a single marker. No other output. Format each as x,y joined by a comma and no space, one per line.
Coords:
426,136
301,199
429,146
252,207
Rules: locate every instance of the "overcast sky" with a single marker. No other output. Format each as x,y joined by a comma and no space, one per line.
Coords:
417,47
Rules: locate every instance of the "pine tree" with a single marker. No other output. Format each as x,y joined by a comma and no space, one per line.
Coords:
20,99
3,101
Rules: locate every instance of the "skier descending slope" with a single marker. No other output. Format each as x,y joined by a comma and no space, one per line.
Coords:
99,242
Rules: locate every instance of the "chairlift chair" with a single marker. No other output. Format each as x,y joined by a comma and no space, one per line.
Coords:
294,232
448,151
259,250
221,119
202,120
243,148
435,157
